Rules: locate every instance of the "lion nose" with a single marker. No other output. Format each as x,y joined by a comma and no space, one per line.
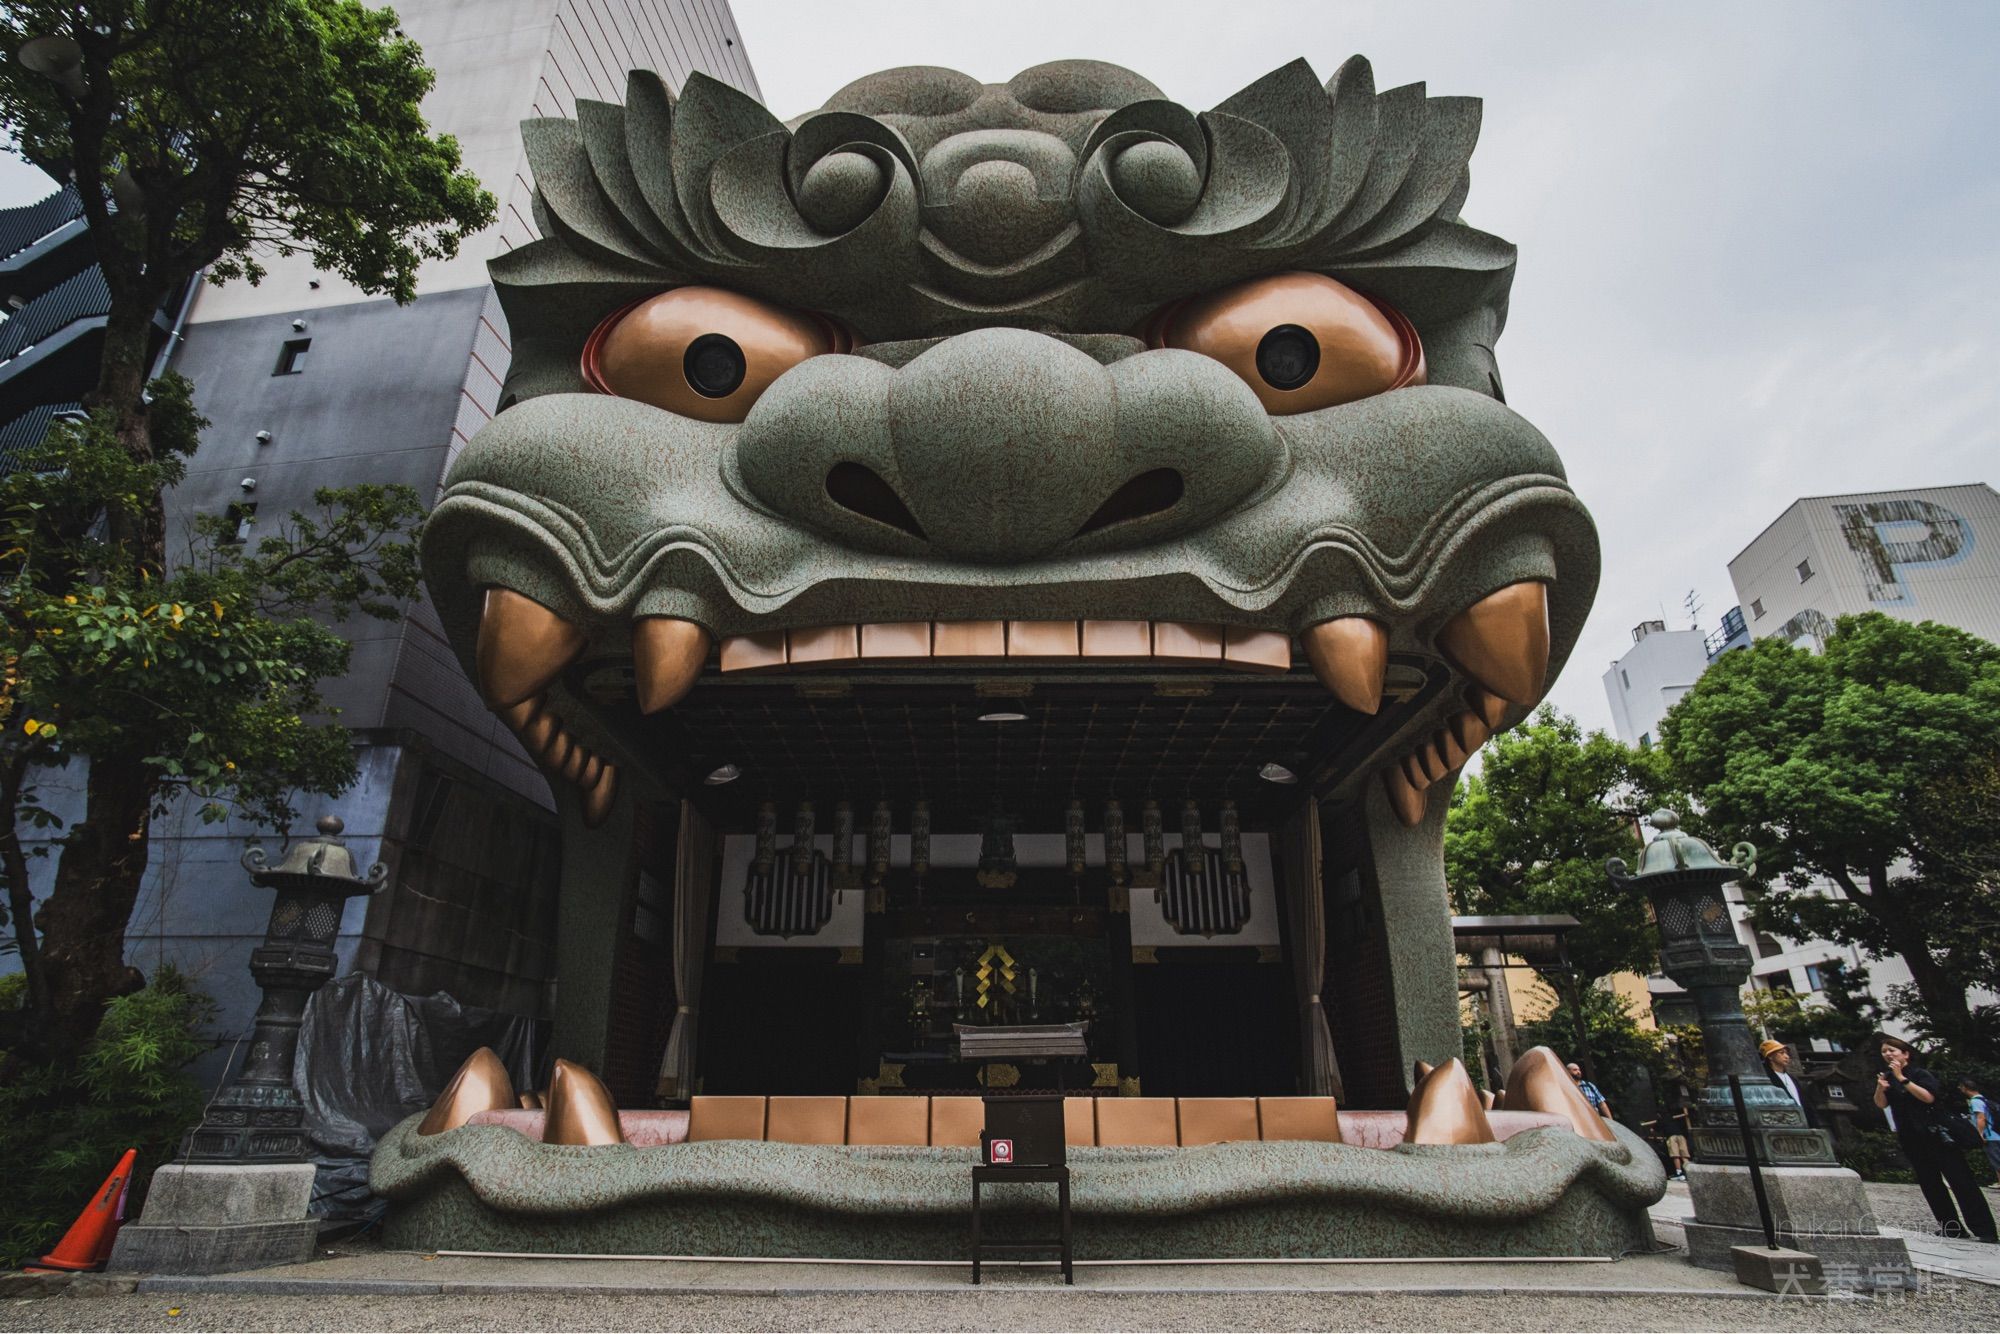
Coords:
1005,442
1000,446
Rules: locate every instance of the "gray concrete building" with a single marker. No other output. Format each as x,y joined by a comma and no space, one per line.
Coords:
309,383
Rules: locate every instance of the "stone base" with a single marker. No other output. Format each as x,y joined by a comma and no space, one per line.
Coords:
1858,1261
176,1249
1805,1200
203,1219
1790,1273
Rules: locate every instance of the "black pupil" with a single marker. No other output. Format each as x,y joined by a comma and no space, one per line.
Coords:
714,365
1288,357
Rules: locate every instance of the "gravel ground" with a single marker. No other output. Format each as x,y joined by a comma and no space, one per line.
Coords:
1964,1308
1904,1207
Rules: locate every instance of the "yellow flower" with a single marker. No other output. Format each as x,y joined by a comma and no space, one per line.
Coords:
70,598
31,727
229,764
218,609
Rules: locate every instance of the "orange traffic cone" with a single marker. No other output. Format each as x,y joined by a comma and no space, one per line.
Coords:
87,1244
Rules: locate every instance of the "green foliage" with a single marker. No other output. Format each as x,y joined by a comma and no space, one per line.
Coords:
1531,831
63,1126
288,124
207,676
1879,755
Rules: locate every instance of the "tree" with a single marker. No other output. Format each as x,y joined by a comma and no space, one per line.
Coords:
200,135
198,683
1530,832
1868,766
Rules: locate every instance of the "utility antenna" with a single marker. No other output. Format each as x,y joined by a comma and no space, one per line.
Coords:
1693,604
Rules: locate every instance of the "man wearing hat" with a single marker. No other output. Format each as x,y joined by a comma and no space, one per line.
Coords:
1778,1060
1912,1093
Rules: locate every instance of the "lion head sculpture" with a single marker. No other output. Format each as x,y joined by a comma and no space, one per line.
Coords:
1048,376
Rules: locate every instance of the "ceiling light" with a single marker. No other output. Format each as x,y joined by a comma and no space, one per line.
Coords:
728,773
1003,717
1277,773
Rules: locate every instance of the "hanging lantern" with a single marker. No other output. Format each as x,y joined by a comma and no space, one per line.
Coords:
1232,841
878,844
802,838
1192,860
1114,842
920,840
1073,836
767,839
996,852
1154,841
843,844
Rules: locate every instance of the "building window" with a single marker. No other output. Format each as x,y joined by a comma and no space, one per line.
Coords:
1757,608
240,517
1645,741
292,356
1815,979
1625,678
1767,946
1805,570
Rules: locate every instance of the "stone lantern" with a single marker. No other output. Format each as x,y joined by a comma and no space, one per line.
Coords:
1815,1205
1682,879
259,1118
240,1194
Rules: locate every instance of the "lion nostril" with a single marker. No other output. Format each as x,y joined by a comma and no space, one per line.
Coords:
1149,493
861,489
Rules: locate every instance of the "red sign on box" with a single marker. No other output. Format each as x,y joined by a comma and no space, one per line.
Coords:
1000,1151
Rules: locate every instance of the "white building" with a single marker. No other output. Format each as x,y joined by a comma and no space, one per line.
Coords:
1924,555
1660,667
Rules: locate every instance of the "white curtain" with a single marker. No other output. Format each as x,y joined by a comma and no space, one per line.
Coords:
1305,918
694,884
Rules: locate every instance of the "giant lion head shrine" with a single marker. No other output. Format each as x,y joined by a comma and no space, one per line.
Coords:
1023,556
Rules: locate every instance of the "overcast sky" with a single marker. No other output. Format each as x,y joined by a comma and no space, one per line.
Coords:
1760,243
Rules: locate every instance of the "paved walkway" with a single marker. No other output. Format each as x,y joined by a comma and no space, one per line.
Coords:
361,1287
1942,1257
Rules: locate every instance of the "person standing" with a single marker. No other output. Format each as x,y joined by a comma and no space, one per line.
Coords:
1677,1155
1591,1093
1778,1060
1983,1121
1912,1093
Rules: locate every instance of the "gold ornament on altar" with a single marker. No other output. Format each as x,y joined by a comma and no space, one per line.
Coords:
996,964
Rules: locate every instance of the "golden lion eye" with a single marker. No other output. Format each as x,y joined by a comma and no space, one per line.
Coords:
702,352
1301,340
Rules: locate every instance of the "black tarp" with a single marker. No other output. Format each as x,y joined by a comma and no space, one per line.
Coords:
369,1057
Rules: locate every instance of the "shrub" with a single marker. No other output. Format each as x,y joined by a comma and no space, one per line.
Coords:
63,1126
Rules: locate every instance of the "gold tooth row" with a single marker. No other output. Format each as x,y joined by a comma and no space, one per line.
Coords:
1443,755
562,756
1166,641
1501,642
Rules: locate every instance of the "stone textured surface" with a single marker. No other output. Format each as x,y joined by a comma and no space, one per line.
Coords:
208,1219
993,248
195,1248
1802,1199
1544,1192
252,1193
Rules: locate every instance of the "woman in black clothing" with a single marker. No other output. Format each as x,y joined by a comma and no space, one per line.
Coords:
1912,1093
